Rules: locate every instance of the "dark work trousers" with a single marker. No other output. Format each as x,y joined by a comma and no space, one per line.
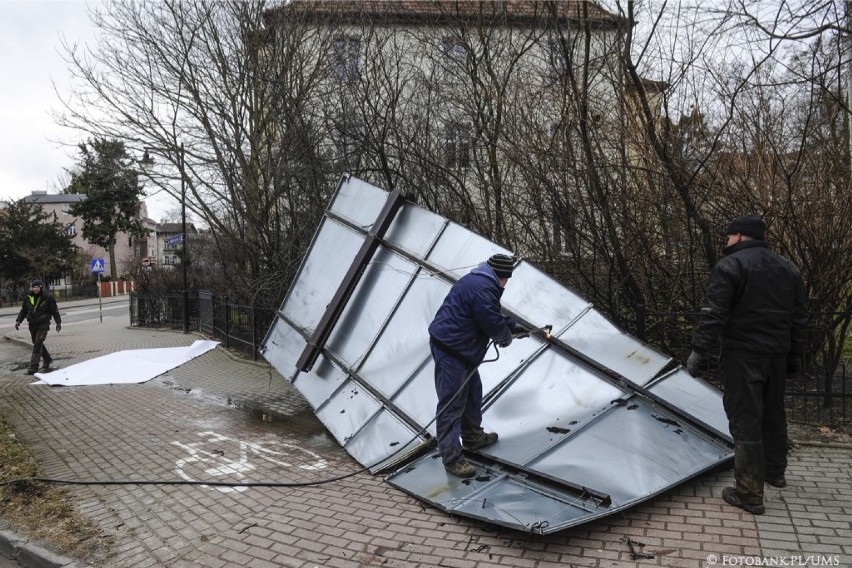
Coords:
754,403
39,350
459,416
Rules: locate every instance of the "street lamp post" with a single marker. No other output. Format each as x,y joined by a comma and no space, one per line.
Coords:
147,162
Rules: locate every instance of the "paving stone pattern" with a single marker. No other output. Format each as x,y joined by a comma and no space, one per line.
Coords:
222,417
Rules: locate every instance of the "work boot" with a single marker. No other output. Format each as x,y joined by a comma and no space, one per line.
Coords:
779,482
730,495
461,468
480,440
748,471
31,371
45,366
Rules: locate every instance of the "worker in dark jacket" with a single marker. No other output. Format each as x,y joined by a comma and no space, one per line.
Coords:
459,336
38,308
756,306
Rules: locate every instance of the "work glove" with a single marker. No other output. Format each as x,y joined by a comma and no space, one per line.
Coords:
58,327
521,332
506,342
695,360
17,325
794,365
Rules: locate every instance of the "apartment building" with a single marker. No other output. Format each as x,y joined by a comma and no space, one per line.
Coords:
126,247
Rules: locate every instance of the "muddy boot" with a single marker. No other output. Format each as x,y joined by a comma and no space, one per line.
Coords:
480,440
779,482
729,494
748,472
461,468
34,361
775,459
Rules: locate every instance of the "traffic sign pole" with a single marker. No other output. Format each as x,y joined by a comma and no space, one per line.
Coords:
98,266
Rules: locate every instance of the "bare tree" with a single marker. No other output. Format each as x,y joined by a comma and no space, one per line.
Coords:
204,88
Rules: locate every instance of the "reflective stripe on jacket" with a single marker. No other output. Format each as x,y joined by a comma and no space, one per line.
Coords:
38,309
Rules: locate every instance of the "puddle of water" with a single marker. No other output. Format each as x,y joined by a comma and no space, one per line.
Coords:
302,424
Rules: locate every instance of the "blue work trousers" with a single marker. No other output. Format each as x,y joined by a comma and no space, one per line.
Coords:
457,416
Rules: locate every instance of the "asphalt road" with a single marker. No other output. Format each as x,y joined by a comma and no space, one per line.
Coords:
75,315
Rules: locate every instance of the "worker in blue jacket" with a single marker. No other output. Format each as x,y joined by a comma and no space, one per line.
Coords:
459,336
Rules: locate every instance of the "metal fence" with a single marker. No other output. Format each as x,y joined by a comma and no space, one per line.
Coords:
816,397
810,399
239,327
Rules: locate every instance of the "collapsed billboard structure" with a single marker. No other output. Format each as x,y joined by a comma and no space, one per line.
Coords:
591,420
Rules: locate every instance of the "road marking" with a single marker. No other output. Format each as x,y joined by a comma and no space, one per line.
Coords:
210,457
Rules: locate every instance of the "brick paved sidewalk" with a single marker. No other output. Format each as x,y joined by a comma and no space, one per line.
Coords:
225,418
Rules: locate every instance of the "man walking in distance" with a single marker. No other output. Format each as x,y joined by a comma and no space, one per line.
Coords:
459,336
756,306
38,308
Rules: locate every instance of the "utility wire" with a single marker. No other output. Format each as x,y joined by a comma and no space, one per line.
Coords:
422,431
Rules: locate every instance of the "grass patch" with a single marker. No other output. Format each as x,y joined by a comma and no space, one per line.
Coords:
41,511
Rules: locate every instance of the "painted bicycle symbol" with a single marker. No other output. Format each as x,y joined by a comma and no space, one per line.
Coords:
207,458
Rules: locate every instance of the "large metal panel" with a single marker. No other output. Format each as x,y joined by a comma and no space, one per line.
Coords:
321,273
320,383
381,287
548,400
631,452
284,345
415,230
458,250
384,438
598,339
682,390
580,436
541,300
358,201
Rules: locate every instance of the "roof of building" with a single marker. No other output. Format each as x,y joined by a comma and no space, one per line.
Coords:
37,197
164,228
448,11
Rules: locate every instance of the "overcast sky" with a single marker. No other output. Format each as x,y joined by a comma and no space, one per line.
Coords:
32,156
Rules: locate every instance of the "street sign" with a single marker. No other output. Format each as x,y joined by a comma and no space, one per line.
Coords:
97,265
174,240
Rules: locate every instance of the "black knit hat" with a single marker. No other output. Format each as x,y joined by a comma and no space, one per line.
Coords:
502,264
748,225
36,283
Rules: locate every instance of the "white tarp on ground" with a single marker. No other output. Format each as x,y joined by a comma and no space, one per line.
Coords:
126,367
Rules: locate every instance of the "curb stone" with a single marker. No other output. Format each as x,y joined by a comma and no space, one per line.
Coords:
32,555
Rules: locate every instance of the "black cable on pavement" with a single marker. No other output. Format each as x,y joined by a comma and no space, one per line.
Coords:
23,480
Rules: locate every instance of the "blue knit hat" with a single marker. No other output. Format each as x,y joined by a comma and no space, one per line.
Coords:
37,282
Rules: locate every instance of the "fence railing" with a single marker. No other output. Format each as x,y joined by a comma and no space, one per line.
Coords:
810,399
237,326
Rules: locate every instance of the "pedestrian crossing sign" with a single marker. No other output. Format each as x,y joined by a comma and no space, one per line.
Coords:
97,265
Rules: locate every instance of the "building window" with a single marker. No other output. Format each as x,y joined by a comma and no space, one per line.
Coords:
454,55
457,145
557,67
70,230
347,58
